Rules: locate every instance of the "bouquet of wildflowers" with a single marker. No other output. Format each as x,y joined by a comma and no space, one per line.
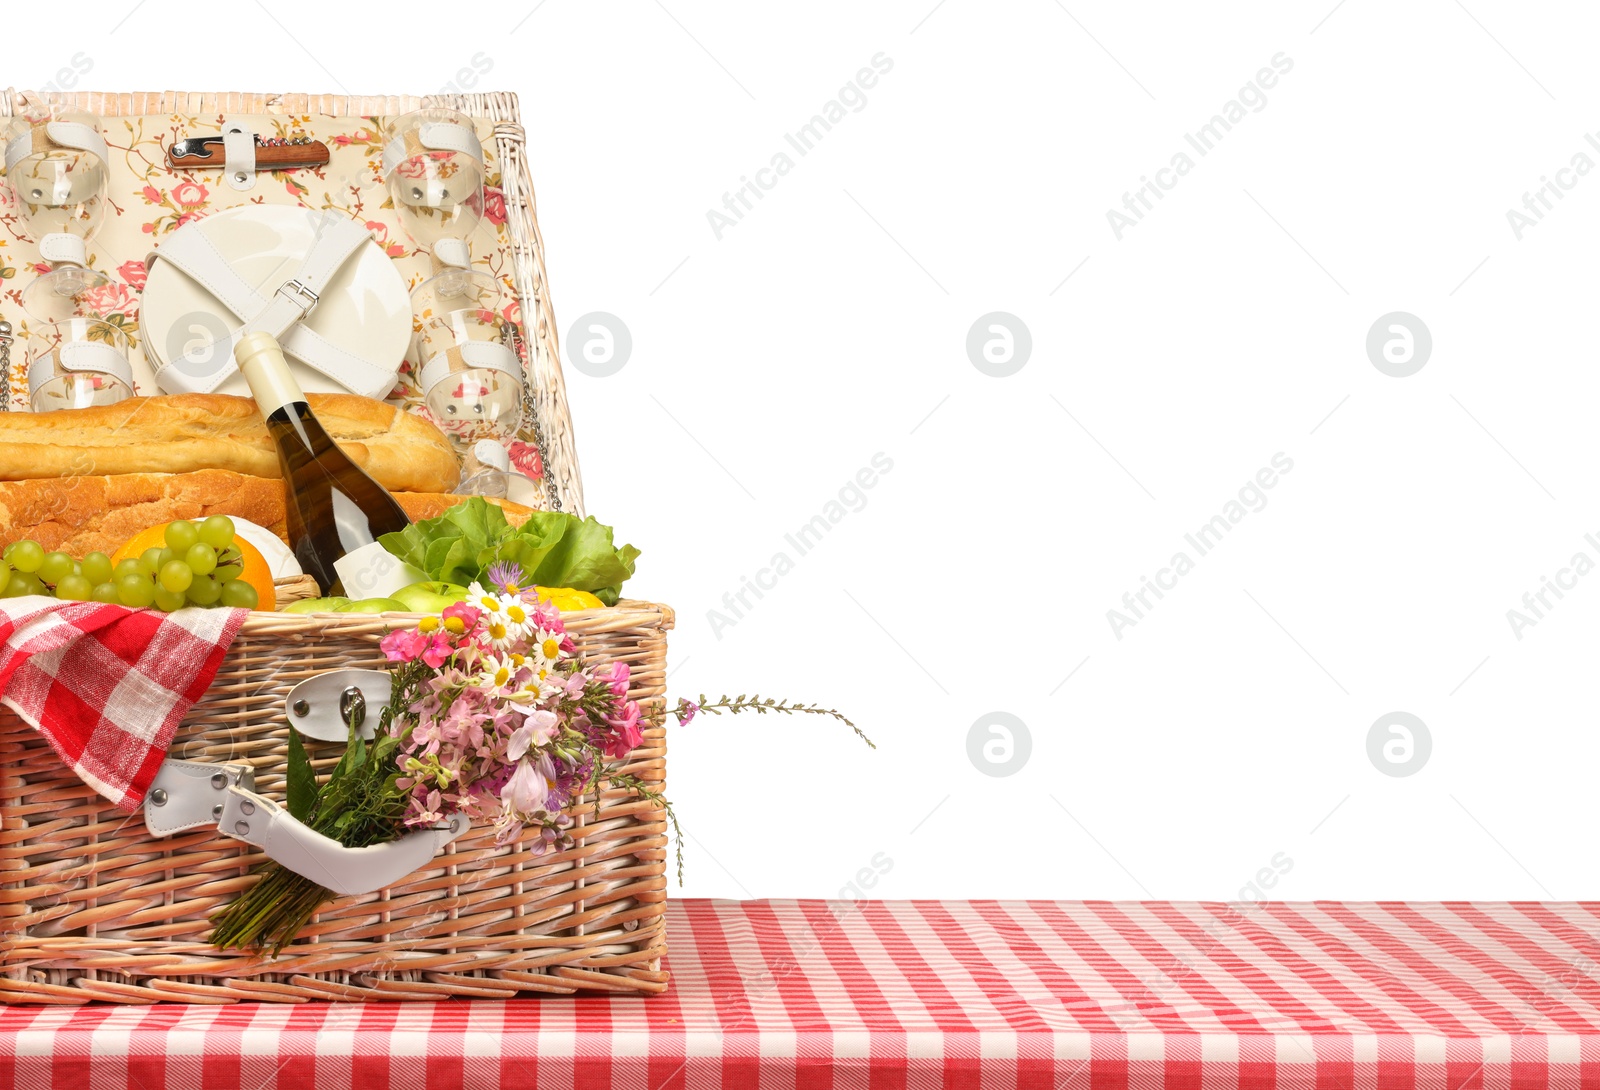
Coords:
507,725
491,714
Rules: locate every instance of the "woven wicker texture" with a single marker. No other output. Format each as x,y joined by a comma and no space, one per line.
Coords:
522,222
94,908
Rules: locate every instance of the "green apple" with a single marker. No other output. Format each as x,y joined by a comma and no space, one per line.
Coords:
429,597
374,605
317,605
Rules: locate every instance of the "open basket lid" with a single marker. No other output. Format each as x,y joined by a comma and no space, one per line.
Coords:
547,423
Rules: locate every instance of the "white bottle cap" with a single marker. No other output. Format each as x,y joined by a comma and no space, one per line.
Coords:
260,360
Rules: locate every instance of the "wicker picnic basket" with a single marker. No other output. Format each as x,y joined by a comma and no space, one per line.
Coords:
92,907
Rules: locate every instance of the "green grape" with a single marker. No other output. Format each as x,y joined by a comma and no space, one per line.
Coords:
237,594
168,600
104,592
168,555
201,558
74,588
28,556
96,567
151,559
136,590
6,553
205,590
130,566
55,567
217,531
182,534
176,577
24,583
225,572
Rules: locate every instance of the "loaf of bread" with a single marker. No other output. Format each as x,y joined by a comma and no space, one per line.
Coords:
83,514
188,432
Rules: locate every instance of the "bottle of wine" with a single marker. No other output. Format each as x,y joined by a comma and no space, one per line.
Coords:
335,512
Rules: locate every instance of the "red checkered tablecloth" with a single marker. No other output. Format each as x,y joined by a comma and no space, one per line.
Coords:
911,994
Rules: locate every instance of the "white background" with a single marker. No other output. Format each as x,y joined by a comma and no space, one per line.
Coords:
768,367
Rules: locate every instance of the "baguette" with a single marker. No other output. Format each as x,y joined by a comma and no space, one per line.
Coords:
85,514
189,432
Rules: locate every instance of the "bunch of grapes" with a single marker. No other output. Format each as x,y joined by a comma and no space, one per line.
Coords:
199,566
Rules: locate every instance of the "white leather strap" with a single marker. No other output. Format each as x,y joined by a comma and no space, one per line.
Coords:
491,355
66,134
78,357
256,820
204,368
453,253
189,794
239,156
433,136
60,248
316,705
491,455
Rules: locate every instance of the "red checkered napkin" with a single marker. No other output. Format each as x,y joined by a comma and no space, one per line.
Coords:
108,685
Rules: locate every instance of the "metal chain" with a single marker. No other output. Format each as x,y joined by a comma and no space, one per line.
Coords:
530,413
5,366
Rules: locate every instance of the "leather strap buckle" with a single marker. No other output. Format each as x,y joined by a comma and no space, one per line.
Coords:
298,293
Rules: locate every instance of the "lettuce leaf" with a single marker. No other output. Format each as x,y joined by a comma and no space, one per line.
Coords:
553,548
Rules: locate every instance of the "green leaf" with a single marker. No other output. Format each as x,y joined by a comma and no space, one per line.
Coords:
302,788
553,548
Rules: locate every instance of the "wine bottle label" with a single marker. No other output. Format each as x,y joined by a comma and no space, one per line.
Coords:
374,572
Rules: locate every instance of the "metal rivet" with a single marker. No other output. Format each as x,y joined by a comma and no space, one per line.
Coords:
219,780
158,797
241,176
216,811
302,709
247,807
242,828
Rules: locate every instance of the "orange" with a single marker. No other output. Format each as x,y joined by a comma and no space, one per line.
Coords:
256,570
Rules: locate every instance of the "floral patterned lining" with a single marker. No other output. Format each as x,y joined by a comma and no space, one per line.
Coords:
148,200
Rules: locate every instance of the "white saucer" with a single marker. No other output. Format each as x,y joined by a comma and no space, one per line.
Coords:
365,310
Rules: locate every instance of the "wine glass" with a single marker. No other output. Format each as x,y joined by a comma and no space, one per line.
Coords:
471,381
433,168
76,363
434,171
57,164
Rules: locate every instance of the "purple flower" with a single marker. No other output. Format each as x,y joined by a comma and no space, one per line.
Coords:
506,577
687,710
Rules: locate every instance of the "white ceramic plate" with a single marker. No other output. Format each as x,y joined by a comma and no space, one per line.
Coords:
366,310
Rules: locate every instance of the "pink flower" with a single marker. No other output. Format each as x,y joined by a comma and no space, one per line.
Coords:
133,271
153,195
494,205
528,789
686,711
404,646
414,167
468,614
189,194
617,676
628,735
438,651
426,810
537,729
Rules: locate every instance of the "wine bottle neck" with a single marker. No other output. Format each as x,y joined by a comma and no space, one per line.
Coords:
262,363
